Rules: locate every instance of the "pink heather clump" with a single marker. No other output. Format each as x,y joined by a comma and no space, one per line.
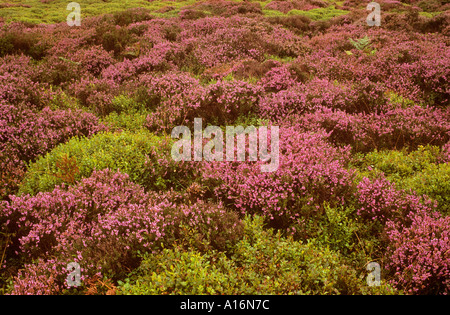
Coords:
26,134
95,93
18,65
297,99
31,133
180,98
282,6
168,85
227,100
418,255
173,96
286,6
99,222
154,60
396,128
41,278
227,44
417,236
445,153
379,200
411,126
280,105
19,89
310,172
218,40
305,98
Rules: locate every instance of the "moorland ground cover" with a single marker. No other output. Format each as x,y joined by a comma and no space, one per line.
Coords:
87,176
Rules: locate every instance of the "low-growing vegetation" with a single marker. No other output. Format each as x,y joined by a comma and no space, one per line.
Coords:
87,174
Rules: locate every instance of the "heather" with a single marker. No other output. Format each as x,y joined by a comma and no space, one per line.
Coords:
283,269
310,173
26,134
87,176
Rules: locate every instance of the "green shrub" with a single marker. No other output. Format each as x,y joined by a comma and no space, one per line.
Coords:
335,229
397,165
174,271
433,181
430,5
261,263
123,103
342,230
113,39
6,45
192,14
130,121
142,155
319,13
29,43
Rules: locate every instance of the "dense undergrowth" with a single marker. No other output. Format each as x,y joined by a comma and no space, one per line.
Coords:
86,169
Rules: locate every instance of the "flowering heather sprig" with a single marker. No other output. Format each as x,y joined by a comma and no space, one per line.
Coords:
180,98
93,59
396,128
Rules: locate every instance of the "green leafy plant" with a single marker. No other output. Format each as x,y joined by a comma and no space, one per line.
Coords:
263,262
319,14
142,155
